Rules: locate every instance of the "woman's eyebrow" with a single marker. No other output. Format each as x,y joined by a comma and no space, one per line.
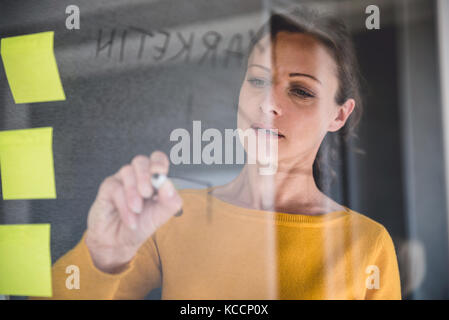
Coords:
296,74
260,66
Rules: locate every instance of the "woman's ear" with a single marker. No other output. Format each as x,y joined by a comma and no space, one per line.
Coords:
343,113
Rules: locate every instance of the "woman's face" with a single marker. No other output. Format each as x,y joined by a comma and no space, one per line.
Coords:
291,87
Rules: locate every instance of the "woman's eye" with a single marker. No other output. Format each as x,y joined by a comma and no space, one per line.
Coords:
302,93
258,83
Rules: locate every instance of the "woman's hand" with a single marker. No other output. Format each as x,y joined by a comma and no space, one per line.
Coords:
123,216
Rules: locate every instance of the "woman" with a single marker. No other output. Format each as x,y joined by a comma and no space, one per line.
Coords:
272,236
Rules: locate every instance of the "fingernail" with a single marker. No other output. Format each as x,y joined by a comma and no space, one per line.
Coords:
156,157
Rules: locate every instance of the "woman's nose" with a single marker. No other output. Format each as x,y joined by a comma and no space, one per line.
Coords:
270,105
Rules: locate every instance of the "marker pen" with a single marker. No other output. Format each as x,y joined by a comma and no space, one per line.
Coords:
157,180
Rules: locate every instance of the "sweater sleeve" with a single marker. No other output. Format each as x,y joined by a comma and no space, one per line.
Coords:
141,275
389,286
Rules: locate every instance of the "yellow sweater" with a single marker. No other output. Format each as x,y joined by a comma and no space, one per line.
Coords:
240,253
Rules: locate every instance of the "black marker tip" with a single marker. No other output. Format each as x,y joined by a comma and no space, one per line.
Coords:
179,213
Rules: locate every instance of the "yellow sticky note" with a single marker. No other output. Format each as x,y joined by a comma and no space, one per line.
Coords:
26,162
31,68
25,263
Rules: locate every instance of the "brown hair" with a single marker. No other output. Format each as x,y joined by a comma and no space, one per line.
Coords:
333,34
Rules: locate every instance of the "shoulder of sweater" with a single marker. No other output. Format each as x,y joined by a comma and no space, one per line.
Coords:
367,225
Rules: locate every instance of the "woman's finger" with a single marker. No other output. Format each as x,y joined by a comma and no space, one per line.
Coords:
159,163
120,203
141,165
167,204
133,197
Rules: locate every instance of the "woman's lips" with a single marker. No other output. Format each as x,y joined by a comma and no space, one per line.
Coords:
268,129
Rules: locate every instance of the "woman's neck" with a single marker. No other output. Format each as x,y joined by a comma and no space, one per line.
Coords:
290,190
